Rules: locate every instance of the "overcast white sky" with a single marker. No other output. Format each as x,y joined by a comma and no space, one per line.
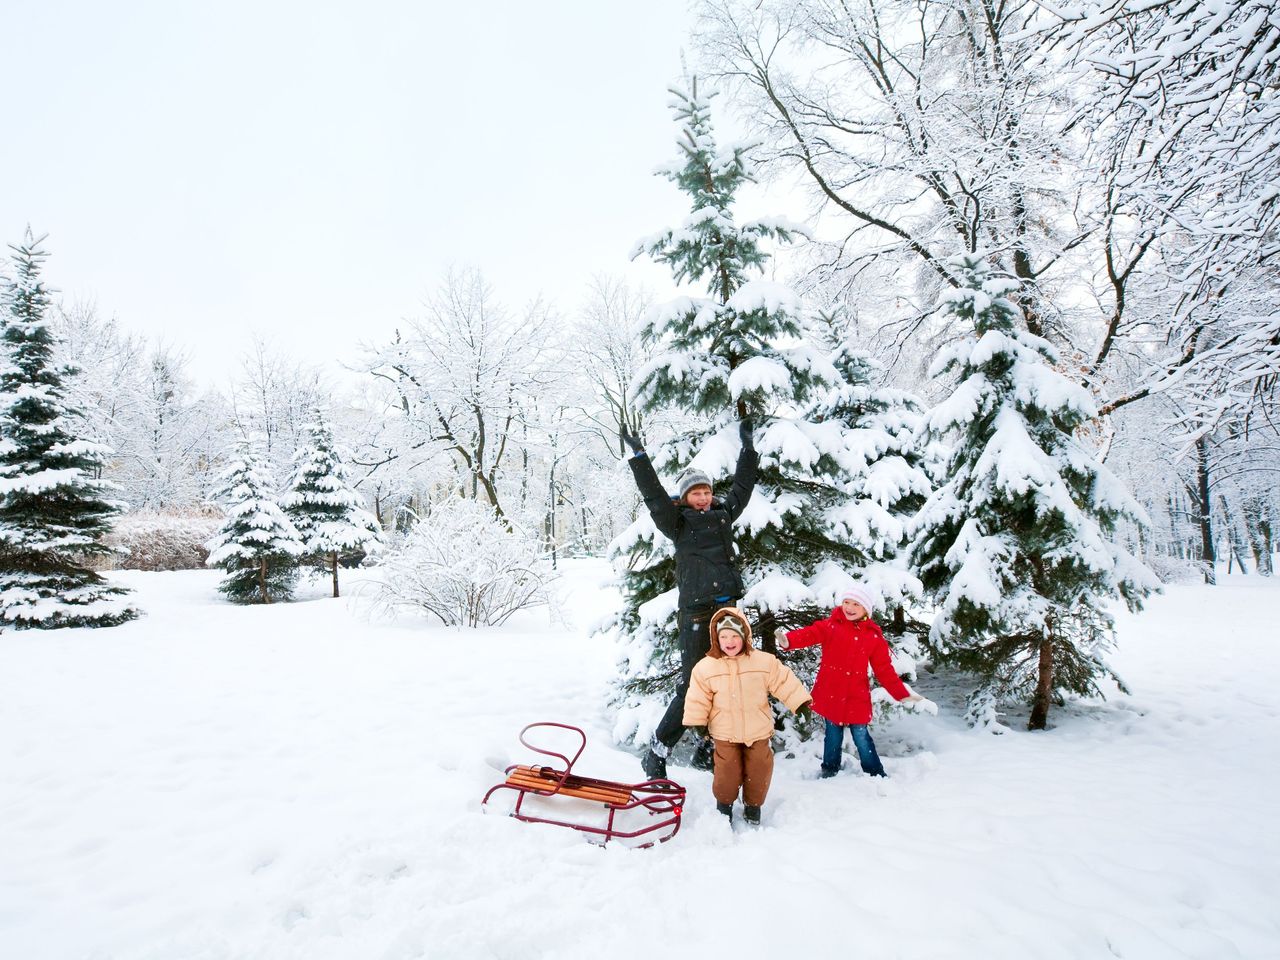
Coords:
309,169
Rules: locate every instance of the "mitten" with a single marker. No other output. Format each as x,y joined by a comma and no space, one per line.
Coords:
744,431
701,732
780,638
805,711
631,440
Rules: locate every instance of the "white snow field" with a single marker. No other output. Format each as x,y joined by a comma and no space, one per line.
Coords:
293,781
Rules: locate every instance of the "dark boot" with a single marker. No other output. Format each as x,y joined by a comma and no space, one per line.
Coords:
704,758
654,766
725,808
751,815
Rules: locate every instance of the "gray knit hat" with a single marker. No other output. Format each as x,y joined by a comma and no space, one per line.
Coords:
690,479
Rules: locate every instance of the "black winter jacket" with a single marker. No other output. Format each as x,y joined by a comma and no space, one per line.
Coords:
706,567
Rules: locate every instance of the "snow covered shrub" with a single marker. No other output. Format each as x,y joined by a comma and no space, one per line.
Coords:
465,566
163,541
1175,569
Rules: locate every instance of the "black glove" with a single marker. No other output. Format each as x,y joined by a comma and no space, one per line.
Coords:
700,731
805,711
631,440
744,431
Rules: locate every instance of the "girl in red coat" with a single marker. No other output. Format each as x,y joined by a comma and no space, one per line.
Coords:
842,693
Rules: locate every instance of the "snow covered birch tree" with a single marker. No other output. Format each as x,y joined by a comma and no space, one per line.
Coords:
327,513
54,509
1015,546
740,352
258,546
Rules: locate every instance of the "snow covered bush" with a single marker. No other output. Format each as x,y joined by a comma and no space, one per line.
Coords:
163,541
465,566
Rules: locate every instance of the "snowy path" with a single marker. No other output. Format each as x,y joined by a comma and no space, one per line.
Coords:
220,782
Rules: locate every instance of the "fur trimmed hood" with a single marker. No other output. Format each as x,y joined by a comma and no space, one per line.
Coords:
717,619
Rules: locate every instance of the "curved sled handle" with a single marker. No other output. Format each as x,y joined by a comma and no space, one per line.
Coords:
568,764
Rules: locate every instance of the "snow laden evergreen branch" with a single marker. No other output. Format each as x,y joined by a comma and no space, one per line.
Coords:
1017,546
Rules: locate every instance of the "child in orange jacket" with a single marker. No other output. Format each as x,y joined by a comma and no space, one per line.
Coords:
728,697
851,641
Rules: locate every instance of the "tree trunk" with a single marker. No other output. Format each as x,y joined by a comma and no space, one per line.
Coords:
1264,527
899,626
1044,683
1205,509
333,559
764,632
262,580
1235,539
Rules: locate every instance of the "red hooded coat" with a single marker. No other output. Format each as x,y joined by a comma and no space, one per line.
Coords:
842,692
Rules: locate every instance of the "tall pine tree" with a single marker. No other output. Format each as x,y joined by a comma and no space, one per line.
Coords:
741,351
1016,546
886,479
54,510
257,545
327,513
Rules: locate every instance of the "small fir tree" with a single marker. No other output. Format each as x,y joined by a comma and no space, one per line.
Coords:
328,514
257,545
885,479
54,511
1016,546
739,352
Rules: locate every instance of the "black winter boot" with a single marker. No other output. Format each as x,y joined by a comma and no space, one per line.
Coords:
654,766
725,808
704,758
751,815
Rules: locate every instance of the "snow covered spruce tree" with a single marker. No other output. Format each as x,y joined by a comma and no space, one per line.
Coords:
885,477
54,511
1015,547
258,546
327,513
739,352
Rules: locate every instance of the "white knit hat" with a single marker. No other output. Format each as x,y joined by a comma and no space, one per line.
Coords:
861,595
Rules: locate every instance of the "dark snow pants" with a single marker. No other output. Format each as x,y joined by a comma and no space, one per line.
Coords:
694,642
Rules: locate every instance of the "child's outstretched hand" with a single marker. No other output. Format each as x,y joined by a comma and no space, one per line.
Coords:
917,702
805,710
780,638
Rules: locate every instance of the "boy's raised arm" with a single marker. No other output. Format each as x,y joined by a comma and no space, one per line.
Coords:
666,517
744,474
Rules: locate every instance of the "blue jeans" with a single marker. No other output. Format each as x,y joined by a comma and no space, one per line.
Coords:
861,739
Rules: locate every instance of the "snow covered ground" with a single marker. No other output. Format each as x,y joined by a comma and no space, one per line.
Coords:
295,781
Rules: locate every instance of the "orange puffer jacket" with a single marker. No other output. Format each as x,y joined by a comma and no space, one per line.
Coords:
730,695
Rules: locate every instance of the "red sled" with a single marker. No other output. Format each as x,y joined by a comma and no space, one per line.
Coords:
660,800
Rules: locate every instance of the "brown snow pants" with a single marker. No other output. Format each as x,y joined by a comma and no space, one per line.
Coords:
748,767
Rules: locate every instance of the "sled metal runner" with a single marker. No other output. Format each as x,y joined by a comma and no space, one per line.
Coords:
661,800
